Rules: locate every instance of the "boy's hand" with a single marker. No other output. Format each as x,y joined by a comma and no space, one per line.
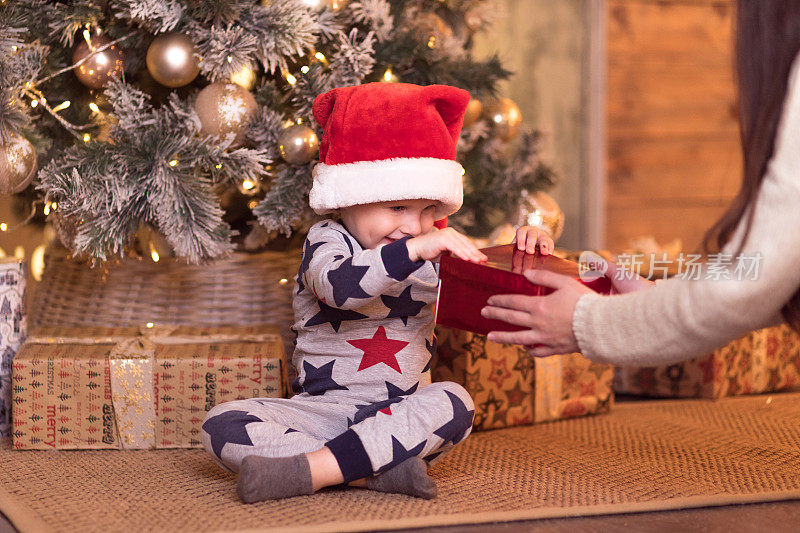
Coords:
430,246
528,237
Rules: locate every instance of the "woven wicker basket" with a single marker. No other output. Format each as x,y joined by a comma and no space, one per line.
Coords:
243,289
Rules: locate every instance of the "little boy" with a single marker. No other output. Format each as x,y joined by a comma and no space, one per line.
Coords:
365,412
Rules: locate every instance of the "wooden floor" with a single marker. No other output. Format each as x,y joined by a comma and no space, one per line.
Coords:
776,517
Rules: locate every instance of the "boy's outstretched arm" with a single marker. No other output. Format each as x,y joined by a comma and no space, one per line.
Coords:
342,275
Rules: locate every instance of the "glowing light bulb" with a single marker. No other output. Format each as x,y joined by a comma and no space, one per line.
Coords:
290,78
63,105
34,103
87,137
3,226
94,107
173,163
149,324
37,262
304,69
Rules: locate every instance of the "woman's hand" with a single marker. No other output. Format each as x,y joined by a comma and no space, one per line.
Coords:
548,319
429,246
528,237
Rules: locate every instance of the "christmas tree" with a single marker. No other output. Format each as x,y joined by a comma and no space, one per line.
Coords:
184,126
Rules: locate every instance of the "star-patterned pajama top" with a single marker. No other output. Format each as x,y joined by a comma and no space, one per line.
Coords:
364,324
364,318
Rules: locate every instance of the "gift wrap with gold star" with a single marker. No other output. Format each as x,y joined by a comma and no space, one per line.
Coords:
512,388
136,387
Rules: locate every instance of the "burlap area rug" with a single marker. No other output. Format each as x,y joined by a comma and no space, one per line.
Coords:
643,456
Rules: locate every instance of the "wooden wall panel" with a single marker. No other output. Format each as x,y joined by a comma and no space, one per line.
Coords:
672,151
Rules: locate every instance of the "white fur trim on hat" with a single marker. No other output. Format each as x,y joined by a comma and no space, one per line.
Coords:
366,182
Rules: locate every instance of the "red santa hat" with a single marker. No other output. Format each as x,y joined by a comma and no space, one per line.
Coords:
389,141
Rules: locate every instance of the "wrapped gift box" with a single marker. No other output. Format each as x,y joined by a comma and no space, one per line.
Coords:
766,360
12,330
510,387
136,387
465,287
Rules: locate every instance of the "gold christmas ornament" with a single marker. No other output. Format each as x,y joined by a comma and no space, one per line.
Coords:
473,112
431,29
540,210
224,109
17,165
504,117
102,67
298,144
172,61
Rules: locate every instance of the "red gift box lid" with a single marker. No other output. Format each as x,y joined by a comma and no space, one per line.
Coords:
465,287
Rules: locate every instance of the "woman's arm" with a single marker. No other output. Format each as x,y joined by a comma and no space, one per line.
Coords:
679,318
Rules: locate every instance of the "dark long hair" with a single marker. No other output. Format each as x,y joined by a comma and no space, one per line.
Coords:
767,41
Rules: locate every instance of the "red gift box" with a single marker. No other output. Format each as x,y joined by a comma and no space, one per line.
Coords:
465,287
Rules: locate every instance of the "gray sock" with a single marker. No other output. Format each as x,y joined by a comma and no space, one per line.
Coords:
409,477
273,478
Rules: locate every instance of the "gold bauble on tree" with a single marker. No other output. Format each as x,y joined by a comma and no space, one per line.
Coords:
17,165
100,68
172,61
224,109
473,112
540,210
504,117
298,144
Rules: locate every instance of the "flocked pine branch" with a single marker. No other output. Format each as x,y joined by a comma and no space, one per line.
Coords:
283,209
154,170
376,15
155,16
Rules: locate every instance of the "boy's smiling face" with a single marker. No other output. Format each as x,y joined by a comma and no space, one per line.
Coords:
385,222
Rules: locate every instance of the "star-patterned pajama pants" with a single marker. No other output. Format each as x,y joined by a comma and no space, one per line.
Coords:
365,439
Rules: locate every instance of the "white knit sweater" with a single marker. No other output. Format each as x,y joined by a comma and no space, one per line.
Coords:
678,318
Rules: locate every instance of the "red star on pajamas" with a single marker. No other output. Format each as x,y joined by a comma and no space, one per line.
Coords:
379,349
